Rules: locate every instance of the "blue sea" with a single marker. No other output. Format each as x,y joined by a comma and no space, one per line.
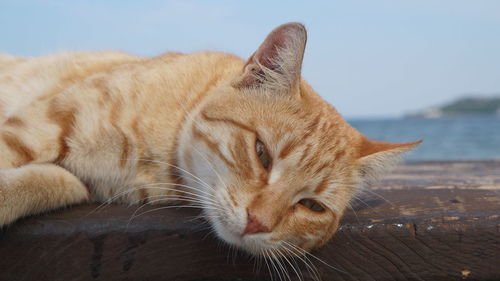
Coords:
461,138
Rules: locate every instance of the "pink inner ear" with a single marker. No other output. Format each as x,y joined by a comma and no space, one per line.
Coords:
281,52
369,147
268,51
279,38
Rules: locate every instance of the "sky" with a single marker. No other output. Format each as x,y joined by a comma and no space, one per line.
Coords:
368,58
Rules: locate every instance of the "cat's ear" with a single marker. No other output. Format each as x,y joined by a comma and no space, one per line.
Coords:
376,157
277,63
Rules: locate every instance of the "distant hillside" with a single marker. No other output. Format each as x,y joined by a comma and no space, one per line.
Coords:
471,105
464,106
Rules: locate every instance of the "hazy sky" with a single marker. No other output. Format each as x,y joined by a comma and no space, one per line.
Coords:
368,58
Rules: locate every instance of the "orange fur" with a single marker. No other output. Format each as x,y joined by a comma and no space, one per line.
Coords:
186,127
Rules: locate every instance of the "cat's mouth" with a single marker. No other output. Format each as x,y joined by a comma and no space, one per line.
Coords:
233,233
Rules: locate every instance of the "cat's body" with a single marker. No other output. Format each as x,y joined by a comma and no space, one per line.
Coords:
125,114
250,142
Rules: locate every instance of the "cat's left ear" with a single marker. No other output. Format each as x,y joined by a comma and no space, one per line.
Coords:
376,157
277,63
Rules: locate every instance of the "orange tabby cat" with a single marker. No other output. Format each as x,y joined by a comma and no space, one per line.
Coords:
267,160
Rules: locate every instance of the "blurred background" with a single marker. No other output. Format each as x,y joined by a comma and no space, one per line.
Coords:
397,70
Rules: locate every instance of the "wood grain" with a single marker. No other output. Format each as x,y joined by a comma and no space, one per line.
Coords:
426,221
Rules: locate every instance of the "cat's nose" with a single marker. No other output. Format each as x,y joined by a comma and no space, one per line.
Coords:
254,226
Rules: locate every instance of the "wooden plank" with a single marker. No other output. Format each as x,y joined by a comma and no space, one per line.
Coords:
426,221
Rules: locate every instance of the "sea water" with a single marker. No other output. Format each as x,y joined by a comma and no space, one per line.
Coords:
460,138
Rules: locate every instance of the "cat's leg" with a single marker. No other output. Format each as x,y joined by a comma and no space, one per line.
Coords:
36,188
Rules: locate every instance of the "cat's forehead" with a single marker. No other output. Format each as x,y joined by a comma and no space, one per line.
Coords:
299,121
263,107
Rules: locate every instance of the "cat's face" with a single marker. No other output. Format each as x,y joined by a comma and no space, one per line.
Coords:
278,164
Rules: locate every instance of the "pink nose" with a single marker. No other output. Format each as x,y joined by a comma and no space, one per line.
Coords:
254,226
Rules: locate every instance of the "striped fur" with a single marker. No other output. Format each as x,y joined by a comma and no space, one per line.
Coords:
79,127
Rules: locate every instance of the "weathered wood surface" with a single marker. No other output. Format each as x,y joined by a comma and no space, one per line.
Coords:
426,221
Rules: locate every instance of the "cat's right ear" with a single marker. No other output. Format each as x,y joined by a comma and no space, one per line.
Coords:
277,63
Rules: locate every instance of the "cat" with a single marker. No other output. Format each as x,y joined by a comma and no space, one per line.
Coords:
269,162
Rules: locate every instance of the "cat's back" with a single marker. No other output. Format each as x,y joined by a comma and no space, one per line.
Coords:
23,80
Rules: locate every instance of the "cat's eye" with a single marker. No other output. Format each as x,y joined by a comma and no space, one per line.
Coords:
312,205
263,155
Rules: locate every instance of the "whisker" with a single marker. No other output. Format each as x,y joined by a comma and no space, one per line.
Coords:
193,218
293,258
167,198
208,234
177,167
362,189
179,185
379,196
280,266
187,200
126,192
283,256
265,257
318,259
271,260
359,199
355,214
167,207
229,253
153,186
311,268
147,186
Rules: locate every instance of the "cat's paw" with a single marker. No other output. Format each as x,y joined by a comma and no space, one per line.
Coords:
37,188
76,193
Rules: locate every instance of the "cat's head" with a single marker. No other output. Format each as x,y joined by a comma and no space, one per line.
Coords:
278,164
